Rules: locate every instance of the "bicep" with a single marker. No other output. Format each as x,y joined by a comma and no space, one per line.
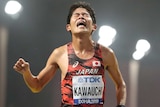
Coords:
48,71
115,74
114,70
112,67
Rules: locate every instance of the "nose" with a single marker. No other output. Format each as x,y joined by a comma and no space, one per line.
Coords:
81,16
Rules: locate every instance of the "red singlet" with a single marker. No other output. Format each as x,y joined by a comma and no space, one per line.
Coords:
84,83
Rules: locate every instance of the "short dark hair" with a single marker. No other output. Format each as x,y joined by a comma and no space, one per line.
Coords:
81,4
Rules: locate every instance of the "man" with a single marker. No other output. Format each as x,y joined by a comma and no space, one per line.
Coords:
82,62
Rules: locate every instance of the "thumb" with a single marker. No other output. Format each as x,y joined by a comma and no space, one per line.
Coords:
25,64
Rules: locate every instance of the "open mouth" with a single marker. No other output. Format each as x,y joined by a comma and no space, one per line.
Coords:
81,23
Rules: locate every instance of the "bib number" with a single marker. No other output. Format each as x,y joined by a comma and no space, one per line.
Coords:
88,89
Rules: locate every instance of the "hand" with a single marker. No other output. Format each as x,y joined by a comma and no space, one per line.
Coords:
21,66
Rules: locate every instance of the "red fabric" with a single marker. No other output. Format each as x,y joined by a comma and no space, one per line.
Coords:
66,83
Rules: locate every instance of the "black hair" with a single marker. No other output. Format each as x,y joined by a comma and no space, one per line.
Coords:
81,4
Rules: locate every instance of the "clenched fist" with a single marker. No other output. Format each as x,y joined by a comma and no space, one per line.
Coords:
21,66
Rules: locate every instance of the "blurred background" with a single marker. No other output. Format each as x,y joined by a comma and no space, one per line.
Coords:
40,27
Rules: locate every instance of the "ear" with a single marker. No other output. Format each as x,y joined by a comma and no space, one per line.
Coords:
94,27
68,28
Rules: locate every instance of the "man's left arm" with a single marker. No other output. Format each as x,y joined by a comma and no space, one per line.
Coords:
114,72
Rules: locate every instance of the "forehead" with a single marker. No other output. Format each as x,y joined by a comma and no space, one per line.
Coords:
80,10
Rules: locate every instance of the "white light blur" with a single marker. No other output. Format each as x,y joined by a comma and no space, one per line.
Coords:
137,55
13,7
105,42
143,45
106,35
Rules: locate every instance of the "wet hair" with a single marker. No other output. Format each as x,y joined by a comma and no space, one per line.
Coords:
81,4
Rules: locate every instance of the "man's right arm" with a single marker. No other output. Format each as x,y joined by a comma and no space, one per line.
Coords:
36,83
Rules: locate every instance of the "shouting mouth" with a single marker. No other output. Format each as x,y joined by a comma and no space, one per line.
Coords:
81,24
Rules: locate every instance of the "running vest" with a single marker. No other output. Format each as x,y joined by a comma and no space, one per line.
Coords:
84,83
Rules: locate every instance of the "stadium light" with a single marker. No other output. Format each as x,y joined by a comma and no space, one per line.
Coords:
106,35
13,7
142,47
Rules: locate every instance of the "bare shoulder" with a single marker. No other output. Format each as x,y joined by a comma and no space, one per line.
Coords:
60,50
108,56
106,50
58,53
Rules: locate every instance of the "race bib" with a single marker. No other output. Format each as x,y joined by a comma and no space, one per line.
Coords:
88,89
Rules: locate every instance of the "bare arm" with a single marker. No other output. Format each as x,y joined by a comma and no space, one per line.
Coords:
36,83
112,66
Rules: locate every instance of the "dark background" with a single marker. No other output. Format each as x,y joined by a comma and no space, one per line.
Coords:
41,27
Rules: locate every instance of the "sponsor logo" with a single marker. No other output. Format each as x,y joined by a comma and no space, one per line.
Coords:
89,79
75,64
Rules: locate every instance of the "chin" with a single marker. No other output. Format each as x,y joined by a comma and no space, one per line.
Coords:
82,32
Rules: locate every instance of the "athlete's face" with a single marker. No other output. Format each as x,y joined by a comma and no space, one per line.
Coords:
81,22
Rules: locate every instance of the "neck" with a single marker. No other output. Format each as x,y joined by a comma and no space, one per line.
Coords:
82,43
